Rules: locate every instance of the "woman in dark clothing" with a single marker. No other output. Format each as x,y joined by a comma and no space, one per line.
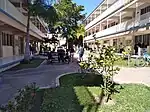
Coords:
136,48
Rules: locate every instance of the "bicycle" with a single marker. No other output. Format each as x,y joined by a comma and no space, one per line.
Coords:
144,60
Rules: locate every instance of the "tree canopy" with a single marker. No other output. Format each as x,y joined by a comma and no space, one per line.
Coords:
69,15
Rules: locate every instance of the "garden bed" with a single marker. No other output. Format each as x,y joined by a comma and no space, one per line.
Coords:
77,94
32,64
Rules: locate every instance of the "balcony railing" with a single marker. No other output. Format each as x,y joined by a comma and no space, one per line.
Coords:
10,9
122,27
117,5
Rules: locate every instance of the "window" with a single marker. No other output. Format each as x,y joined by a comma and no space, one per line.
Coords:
7,39
11,40
145,10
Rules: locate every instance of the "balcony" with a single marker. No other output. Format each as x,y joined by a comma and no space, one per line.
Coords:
116,6
122,27
10,10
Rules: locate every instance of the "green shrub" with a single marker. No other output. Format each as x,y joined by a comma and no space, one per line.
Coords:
24,101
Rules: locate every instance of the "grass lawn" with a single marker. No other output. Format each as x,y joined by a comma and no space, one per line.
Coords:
132,62
33,64
77,94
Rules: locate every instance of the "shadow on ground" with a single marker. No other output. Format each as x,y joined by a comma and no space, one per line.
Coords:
72,96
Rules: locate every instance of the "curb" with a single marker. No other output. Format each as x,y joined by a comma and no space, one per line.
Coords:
44,61
57,78
57,83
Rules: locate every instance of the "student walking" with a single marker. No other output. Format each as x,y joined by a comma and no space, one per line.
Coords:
81,53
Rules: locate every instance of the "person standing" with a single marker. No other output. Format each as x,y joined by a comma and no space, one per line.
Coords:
121,48
81,53
136,49
72,53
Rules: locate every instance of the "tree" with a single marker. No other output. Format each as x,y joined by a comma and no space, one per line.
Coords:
102,61
80,32
31,6
69,15
42,8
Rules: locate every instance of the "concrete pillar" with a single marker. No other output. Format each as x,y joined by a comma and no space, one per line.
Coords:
100,28
107,4
1,49
111,42
120,18
100,10
16,45
107,23
132,44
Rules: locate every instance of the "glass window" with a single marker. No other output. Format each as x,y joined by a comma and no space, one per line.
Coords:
145,10
8,39
4,39
11,40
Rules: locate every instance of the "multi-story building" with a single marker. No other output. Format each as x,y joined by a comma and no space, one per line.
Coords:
13,22
116,22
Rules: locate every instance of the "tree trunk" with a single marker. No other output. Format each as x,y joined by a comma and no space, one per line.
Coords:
27,47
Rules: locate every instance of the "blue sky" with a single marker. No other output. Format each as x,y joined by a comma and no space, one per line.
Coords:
88,4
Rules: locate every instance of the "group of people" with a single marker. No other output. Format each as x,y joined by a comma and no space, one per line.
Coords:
140,48
63,56
66,55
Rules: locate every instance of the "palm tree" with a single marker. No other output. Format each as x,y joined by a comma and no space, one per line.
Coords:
27,47
41,8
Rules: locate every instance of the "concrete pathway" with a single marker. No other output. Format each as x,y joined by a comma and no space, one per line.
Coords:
130,75
133,75
44,75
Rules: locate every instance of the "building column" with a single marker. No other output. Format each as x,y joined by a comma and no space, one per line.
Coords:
14,44
111,42
107,23
133,44
107,4
95,29
1,46
100,10
100,27
120,18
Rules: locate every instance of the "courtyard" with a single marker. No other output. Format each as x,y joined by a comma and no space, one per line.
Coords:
74,56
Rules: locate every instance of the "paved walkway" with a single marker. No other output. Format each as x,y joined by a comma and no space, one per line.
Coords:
44,75
133,75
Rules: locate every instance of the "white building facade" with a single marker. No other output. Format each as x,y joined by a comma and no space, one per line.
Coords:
13,22
117,22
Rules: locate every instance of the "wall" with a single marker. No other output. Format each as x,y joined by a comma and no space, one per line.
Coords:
7,51
16,19
16,42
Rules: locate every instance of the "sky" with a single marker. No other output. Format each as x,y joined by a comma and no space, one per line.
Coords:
89,5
